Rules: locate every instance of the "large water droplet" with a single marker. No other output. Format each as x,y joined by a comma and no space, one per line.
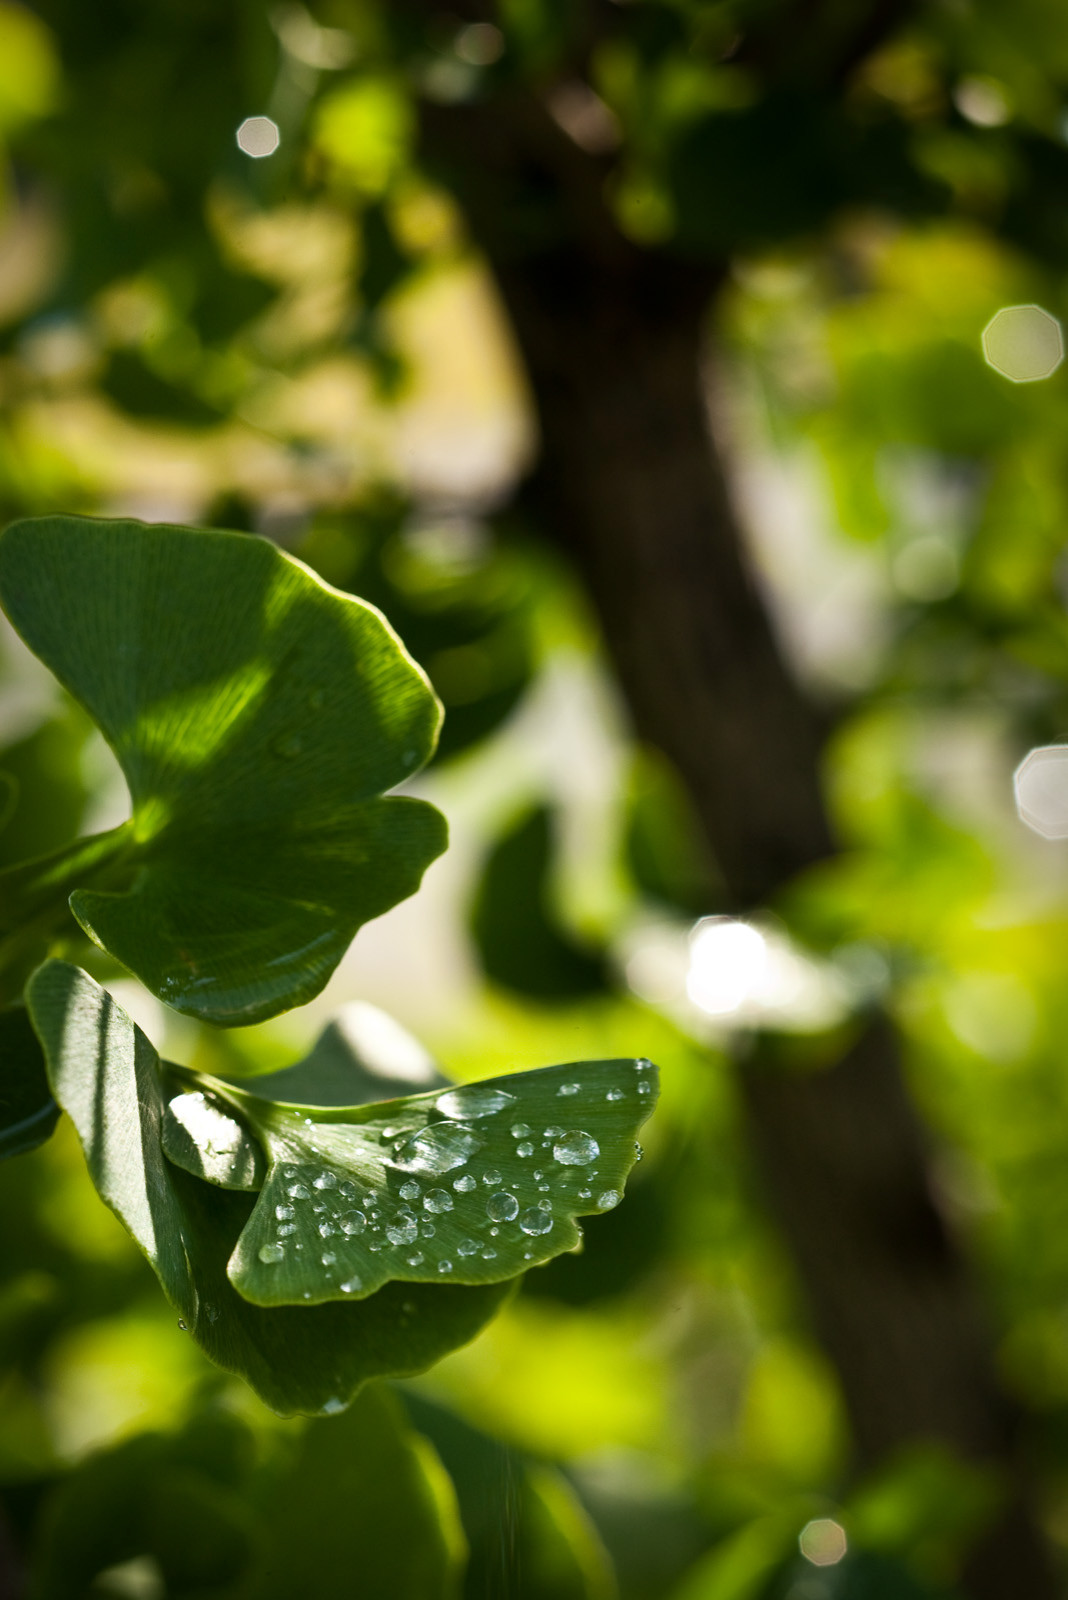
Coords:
576,1149
502,1207
297,1191
402,1230
326,1180
524,1149
535,1221
283,1213
610,1198
353,1222
286,1229
473,1100
271,1254
569,1088
352,1285
437,1200
438,1149
464,1184
410,1190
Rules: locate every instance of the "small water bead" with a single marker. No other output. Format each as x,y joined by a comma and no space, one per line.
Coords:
444,1266
585,1194
376,1245
645,1087
576,1149
325,1229
464,1184
307,1294
535,1221
569,1088
402,1230
528,1255
328,1258
467,1247
610,1198
352,1222
538,1173
350,1191
524,1149
545,1205
289,1172
614,1094
494,1232
437,1200
410,1190
428,1230
416,1259
552,1133
392,1129
297,1191
521,1131
326,1180
318,1210
473,1100
543,1188
286,1229
502,1207
489,1255
212,1313
283,1213
270,1254
183,1327
638,1151
351,1285
492,1178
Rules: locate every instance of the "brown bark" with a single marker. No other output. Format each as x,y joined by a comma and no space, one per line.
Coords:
632,488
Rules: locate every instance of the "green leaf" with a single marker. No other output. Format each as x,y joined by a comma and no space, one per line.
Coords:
362,1055
258,716
106,1076
476,1183
520,942
28,1112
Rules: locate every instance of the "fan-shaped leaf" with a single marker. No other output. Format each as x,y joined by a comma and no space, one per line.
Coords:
106,1076
258,716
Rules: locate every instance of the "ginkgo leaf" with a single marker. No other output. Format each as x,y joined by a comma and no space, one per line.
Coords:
107,1077
28,1112
258,716
474,1184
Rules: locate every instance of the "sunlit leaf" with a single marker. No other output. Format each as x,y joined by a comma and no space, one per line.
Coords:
106,1076
474,1184
258,716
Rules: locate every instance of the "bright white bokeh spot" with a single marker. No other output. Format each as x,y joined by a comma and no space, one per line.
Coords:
728,965
983,101
1041,787
258,137
1023,343
823,1542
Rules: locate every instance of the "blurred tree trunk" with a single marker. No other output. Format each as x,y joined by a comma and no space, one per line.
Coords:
631,485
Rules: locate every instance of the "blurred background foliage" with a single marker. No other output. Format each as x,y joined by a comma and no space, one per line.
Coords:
310,346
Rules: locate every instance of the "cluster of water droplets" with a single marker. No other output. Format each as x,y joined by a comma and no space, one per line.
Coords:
481,1211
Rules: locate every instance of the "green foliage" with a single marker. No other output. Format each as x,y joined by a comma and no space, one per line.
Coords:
228,681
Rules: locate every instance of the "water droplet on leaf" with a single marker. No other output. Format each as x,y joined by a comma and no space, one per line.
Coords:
610,1198
535,1221
437,1149
269,1254
437,1200
353,1222
502,1207
464,1184
569,1088
576,1149
473,1100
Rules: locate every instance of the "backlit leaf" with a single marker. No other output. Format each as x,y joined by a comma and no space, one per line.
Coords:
106,1076
258,716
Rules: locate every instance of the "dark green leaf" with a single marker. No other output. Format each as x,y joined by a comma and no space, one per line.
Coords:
28,1112
106,1076
520,942
361,1056
476,1183
258,715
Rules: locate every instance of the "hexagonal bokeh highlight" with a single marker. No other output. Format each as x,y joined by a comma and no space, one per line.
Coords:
1041,787
258,137
823,1542
1023,343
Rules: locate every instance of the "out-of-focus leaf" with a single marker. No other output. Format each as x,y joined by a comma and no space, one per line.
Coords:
664,848
49,789
366,1508
520,944
362,1055
29,69
553,1552
28,1112
258,715
106,1076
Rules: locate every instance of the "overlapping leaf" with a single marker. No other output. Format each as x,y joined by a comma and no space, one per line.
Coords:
106,1076
258,716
